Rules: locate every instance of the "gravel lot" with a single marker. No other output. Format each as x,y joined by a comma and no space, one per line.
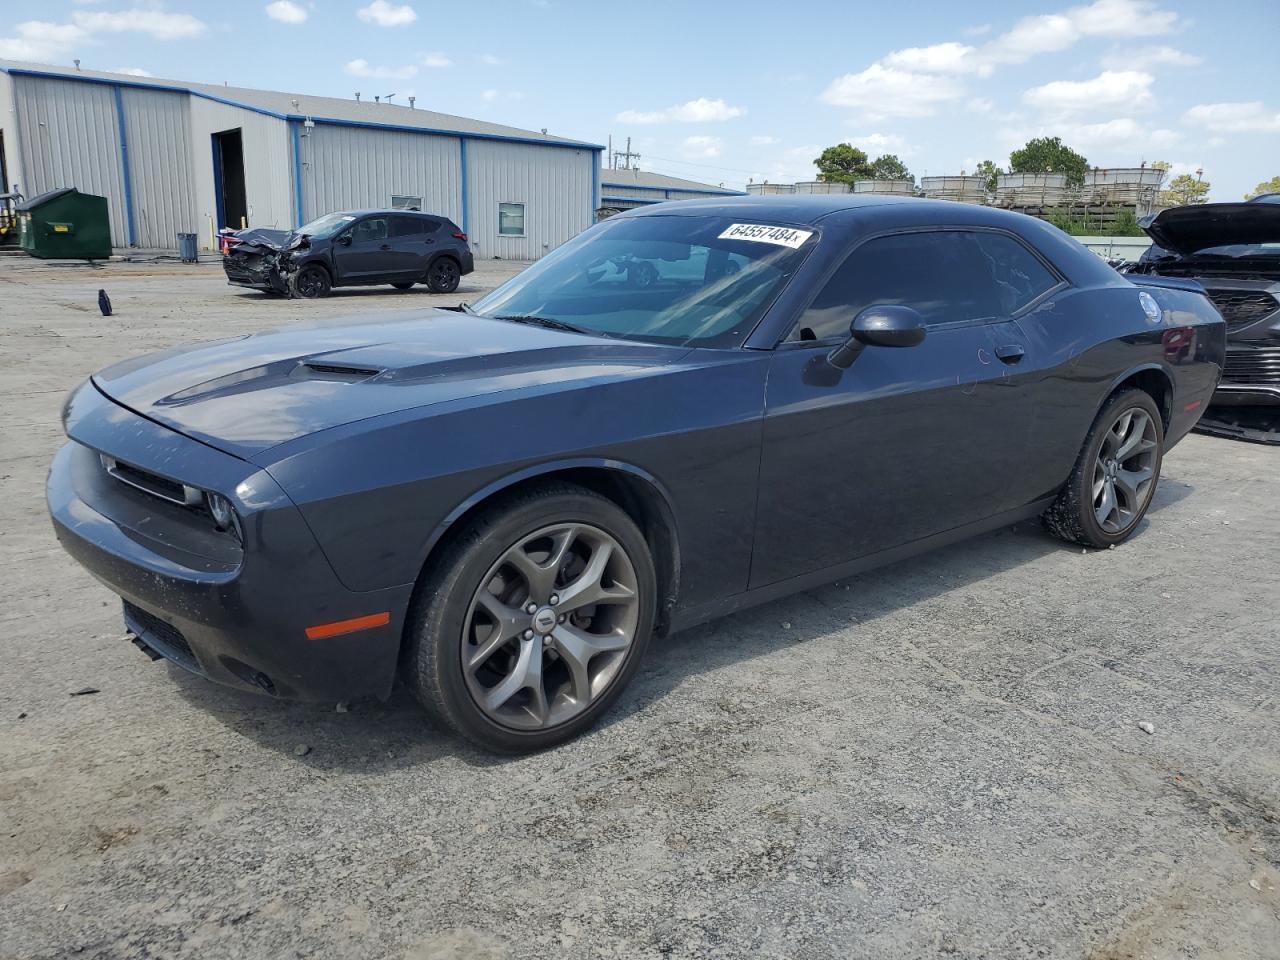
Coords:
942,758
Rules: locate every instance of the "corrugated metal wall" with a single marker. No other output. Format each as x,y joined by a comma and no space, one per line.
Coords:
642,193
69,137
353,168
268,165
8,135
160,160
554,183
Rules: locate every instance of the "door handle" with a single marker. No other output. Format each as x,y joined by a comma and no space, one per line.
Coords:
1011,352
385,246
430,240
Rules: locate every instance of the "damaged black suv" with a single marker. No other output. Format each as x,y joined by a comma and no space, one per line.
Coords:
1233,249
351,248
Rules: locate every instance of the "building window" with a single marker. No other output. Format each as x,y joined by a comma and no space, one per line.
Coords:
511,219
405,203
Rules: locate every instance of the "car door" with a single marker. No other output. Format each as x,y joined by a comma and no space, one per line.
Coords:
413,241
907,442
364,259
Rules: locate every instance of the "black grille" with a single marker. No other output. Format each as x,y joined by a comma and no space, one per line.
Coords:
165,637
1243,307
1252,366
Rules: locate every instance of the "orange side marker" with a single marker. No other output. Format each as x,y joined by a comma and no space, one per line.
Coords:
1193,405
323,631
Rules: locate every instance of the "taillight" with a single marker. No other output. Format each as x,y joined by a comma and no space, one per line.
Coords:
460,236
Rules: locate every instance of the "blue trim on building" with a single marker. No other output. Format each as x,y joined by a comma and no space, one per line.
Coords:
595,186
130,229
297,116
297,175
604,200
462,186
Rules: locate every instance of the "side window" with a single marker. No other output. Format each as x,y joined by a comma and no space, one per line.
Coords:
511,219
366,231
406,227
948,276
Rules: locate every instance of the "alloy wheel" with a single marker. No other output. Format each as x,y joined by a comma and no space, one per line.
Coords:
549,628
1124,472
445,275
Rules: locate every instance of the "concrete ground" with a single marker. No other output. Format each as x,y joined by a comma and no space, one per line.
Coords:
941,758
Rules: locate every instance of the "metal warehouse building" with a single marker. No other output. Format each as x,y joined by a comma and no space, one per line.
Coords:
174,157
627,189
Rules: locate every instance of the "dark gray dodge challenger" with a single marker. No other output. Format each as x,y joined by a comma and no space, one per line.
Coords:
687,410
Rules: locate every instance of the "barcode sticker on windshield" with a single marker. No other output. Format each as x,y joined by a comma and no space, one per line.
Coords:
763,233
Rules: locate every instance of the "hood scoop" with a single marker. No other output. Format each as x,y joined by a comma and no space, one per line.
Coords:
314,370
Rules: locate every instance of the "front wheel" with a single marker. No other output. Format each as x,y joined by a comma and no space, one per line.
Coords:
1115,478
533,621
403,286
443,276
311,282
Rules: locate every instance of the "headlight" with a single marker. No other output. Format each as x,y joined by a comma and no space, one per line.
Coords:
224,515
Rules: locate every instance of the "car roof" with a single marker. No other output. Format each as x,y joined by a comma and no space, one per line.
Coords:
370,212
810,209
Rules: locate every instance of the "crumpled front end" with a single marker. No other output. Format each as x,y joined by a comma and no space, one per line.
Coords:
255,262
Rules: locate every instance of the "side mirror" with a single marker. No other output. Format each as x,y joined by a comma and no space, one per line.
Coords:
888,325
345,239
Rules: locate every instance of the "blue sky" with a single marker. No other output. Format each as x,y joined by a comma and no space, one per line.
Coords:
727,92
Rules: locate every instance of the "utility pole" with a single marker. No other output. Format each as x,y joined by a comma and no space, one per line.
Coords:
627,156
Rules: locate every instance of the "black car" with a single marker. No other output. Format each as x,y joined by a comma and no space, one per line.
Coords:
500,506
353,248
1233,249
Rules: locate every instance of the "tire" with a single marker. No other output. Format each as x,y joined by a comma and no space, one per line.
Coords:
403,286
470,668
1082,513
310,283
444,275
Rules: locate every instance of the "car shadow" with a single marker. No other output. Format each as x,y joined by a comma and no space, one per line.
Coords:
373,736
342,293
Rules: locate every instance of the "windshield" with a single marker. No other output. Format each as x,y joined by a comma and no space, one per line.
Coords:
703,281
326,226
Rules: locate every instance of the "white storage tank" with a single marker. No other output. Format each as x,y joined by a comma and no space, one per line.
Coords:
770,189
1031,189
1129,186
965,189
821,186
900,188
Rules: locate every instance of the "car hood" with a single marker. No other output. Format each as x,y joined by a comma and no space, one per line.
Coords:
264,237
251,393
1187,230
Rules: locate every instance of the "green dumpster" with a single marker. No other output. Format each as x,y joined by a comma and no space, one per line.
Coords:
65,224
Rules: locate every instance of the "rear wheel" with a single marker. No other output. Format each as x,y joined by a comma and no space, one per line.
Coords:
443,275
311,282
533,620
1115,478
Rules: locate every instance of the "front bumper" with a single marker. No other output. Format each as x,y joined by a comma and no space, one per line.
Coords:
236,615
1251,376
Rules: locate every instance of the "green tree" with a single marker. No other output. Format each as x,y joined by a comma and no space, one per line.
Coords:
1185,189
1266,186
989,172
843,163
1049,155
889,167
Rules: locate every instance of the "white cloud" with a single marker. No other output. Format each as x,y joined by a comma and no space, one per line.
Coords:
883,91
1144,58
1119,142
436,59
763,141
363,68
977,30
489,60
701,148
489,95
701,110
980,105
156,24
948,57
133,72
1051,32
1250,117
1110,89
44,41
286,11
386,14
875,144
